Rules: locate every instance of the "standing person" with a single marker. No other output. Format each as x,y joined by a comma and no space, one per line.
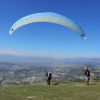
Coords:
87,75
49,76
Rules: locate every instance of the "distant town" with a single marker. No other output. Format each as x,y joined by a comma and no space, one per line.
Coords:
31,73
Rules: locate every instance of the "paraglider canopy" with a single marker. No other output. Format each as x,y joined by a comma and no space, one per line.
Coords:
51,18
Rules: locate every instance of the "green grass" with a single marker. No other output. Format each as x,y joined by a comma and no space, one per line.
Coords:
62,91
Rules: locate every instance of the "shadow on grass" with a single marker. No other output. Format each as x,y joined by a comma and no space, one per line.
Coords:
93,84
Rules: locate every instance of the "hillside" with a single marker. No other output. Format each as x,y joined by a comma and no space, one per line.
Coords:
62,91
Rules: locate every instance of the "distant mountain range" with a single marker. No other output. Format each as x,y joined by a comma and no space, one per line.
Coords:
81,60
14,58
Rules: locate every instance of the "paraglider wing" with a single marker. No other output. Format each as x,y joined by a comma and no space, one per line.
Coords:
48,17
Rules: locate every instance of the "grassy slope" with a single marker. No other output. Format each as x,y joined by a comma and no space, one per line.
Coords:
63,91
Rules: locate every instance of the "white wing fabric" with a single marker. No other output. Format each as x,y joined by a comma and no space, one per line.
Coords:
51,18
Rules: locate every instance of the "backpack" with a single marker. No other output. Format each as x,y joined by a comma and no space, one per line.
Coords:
89,73
50,75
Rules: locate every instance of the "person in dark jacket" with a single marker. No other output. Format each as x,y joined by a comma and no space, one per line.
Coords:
87,75
49,76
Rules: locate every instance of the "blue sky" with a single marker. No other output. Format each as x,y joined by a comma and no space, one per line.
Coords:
46,39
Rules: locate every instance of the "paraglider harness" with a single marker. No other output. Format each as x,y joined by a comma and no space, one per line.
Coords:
49,75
